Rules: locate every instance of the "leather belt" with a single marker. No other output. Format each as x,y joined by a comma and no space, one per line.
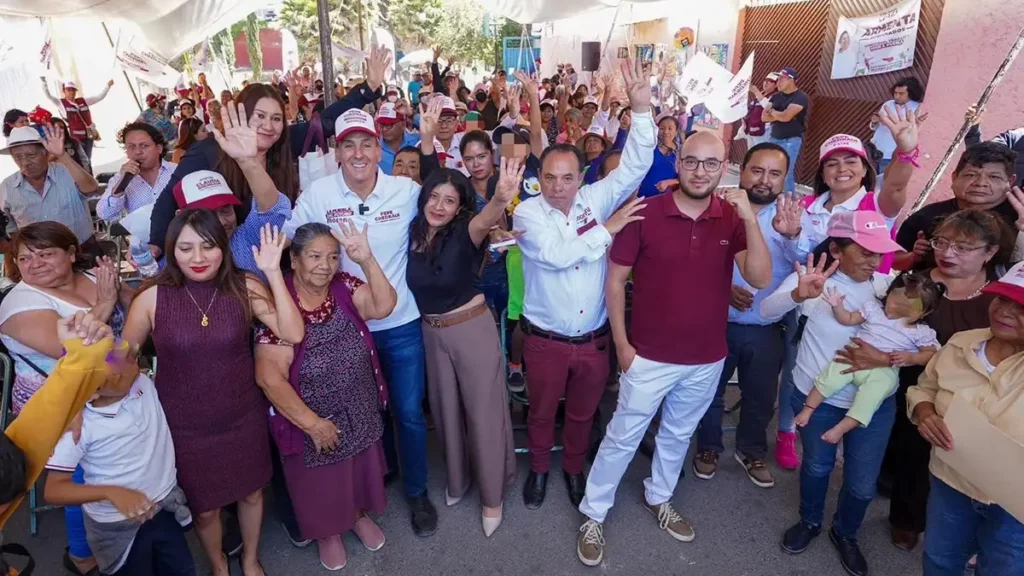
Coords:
452,319
531,330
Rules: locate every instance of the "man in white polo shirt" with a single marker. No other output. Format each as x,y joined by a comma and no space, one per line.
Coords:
566,232
363,193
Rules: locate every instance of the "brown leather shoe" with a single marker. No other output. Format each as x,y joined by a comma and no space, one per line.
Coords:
904,539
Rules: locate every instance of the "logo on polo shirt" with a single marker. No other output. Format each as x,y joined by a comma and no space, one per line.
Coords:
583,218
336,215
387,216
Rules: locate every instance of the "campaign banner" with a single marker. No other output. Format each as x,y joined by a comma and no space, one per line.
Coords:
882,42
729,103
701,77
137,59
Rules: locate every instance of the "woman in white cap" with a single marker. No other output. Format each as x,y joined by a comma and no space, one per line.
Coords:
76,110
984,370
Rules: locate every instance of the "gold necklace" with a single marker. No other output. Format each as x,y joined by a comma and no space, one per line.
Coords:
206,319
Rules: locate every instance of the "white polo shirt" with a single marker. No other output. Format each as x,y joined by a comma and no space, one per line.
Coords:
564,262
814,222
126,444
388,211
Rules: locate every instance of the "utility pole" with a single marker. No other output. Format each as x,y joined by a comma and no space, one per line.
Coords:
326,50
359,16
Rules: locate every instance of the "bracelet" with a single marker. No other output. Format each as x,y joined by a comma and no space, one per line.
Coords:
909,157
806,405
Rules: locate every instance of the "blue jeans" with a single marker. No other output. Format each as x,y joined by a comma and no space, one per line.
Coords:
159,549
786,386
757,352
882,165
863,451
959,527
792,146
74,523
402,359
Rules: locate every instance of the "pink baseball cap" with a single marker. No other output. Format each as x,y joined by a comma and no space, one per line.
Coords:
352,121
388,115
204,189
1010,286
842,143
591,100
866,228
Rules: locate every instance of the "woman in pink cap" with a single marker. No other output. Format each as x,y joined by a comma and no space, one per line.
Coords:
846,261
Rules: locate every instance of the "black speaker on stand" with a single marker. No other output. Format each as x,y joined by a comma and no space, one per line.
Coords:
591,56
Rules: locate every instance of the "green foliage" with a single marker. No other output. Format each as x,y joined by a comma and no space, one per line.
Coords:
252,37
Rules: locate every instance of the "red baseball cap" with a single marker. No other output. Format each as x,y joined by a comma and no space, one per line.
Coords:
866,228
204,189
1010,286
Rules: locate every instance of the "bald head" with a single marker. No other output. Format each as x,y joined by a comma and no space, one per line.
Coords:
700,164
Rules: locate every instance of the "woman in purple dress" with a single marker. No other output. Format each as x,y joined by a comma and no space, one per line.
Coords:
328,392
199,311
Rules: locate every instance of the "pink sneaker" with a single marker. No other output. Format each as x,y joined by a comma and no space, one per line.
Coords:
369,534
333,556
785,450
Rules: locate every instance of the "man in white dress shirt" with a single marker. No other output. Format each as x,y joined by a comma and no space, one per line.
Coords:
363,193
145,147
566,232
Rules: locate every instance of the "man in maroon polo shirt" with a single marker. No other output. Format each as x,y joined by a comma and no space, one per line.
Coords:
681,256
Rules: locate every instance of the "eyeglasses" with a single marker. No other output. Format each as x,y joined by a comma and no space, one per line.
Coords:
710,164
941,244
447,121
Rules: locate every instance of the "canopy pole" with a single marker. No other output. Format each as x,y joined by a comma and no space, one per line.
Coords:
126,78
1000,73
326,50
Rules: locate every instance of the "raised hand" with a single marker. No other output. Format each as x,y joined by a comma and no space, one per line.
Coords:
974,114
437,52
239,138
529,85
53,140
1016,198
377,67
106,280
355,243
638,87
739,200
268,254
514,94
811,279
510,174
902,123
429,119
788,214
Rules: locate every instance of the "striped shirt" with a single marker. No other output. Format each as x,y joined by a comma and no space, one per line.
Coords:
138,194
61,201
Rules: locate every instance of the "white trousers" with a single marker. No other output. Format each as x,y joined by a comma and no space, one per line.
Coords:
686,391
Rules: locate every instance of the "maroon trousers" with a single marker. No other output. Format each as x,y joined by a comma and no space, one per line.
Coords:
577,372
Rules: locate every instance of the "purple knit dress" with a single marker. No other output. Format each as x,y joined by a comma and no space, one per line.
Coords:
207,385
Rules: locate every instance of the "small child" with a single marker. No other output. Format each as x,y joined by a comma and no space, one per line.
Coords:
134,510
893,326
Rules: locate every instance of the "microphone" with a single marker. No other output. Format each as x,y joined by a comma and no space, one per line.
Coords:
123,184
363,209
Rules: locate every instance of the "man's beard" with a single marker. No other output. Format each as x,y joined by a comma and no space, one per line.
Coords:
757,195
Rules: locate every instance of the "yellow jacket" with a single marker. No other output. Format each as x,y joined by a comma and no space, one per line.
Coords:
47,415
956,369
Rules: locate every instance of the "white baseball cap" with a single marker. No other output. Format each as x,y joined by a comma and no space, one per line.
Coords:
20,136
71,85
552,103
448,106
204,189
591,100
352,121
1010,286
388,115
842,143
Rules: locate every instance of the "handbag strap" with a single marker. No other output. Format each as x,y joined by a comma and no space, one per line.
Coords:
17,550
32,365
316,127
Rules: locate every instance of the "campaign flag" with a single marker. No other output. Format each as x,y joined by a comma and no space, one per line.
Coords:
729,103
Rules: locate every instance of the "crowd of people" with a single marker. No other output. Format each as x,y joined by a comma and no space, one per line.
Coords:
299,336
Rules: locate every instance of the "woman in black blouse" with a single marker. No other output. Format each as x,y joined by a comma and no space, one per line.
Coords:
465,370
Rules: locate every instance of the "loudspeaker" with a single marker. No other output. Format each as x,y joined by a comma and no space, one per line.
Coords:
591,56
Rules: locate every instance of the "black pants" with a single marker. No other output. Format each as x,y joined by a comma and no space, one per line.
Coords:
907,458
160,549
87,146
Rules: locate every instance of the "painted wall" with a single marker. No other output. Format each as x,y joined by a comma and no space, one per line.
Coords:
972,42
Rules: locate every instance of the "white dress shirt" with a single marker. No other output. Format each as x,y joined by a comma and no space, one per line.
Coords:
823,335
388,211
136,195
564,263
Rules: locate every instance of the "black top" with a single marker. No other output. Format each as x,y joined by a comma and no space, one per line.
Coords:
795,127
927,218
490,114
450,281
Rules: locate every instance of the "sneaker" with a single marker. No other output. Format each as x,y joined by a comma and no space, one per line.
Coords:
670,521
294,537
590,544
516,382
785,451
756,471
705,464
369,534
333,556
799,537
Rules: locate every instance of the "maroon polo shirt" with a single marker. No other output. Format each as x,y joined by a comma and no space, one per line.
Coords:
682,279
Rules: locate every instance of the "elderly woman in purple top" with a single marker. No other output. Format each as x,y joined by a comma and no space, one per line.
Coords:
327,392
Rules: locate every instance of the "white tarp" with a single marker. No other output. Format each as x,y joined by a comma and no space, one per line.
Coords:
534,11
137,59
875,44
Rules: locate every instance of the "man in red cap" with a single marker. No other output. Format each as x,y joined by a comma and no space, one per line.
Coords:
76,110
448,135
155,117
393,137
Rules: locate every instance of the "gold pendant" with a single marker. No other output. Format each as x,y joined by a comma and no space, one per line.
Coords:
205,322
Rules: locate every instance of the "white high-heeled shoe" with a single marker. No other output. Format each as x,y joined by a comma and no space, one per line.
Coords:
491,524
449,500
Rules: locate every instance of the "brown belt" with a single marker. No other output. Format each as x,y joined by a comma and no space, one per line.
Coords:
451,319
531,330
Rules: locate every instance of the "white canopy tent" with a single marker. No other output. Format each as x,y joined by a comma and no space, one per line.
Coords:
537,11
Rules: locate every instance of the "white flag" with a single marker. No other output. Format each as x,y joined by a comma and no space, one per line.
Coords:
46,51
701,77
136,58
729,103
